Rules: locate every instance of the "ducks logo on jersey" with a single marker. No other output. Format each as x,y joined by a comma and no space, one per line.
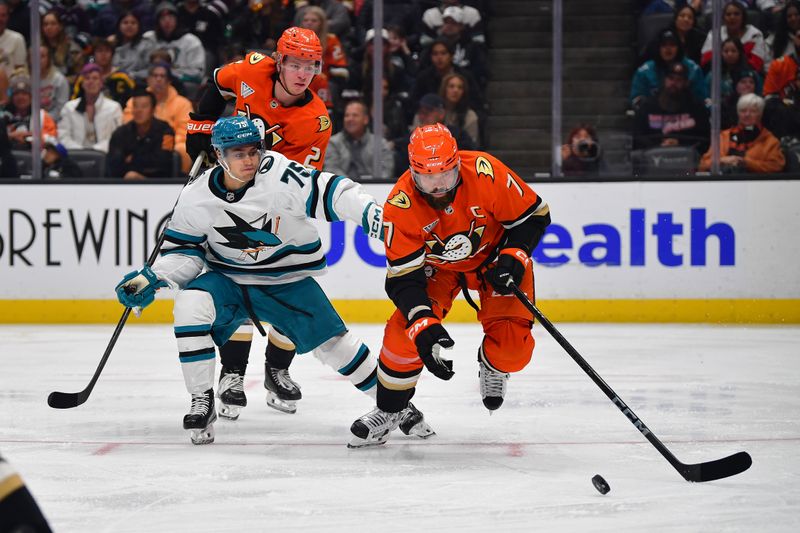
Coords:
456,247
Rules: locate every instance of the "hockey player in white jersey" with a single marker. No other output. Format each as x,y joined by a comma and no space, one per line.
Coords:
240,246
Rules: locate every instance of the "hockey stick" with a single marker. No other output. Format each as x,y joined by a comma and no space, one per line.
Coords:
709,471
68,400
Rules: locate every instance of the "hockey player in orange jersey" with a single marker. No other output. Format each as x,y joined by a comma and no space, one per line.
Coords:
274,94
454,220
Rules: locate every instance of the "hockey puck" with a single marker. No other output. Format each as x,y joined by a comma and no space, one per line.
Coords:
600,484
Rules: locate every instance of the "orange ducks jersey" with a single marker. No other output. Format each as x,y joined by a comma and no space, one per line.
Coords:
300,132
489,199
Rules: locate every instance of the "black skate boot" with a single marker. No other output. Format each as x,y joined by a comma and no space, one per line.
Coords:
231,392
412,422
282,391
201,417
373,428
493,386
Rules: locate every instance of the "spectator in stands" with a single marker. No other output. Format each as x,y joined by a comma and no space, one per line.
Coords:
171,107
734,18
67,55
459,117
17,114
74,17
672,117
56,163
744,82
108,16
433,21
88,122
54,88
19,18
649,77
782,111
395,124
749,146
8,165
734,63
399,51
207,25
117,85
336,14
468,54
12,45
781,76
360,80
186,50
143,147
441,63
581,155
691,37
132,51
350,151
786,39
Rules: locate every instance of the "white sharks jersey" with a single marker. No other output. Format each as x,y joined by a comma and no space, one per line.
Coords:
260,234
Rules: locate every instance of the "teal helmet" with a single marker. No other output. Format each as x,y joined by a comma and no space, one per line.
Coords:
229,132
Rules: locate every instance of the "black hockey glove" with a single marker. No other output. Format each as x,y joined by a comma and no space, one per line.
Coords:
198,136
510,267
430,337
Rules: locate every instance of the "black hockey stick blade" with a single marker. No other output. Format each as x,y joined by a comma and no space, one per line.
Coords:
66,400
719,469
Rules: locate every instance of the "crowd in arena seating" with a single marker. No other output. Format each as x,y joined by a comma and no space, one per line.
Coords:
121,75
759,85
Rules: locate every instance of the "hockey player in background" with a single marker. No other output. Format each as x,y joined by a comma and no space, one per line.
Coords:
294,121
456,220
240,246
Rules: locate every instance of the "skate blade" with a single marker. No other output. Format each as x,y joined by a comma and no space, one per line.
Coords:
229,412
284,406
421,430
202,436
357,442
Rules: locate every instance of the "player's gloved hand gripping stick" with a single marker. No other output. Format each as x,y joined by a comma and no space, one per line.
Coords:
137,289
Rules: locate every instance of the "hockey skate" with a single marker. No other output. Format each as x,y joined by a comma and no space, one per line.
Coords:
282,391
231,393
412,422
201,417
493,386
373,428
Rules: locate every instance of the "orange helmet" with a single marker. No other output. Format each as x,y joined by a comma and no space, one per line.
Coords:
434,160
301,43
432,149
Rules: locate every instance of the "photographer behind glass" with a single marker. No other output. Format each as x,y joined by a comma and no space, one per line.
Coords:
581,155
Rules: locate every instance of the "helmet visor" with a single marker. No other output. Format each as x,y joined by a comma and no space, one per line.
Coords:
436,184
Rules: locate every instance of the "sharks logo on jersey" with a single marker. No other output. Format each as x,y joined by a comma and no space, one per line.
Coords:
248,238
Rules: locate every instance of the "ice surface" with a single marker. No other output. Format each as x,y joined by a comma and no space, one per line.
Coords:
122,462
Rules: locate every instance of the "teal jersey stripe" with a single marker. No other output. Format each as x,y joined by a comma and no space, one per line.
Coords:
199,357
192,329
192,239
371,383
357,359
